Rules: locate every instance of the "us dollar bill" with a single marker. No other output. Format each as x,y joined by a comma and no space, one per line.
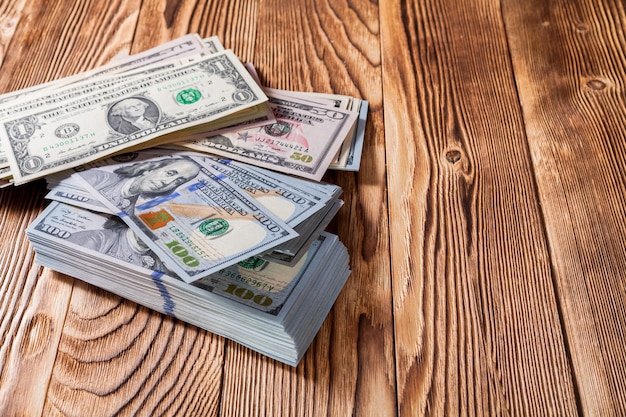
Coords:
307,210
348,157
79,242
303,141
10,102
191,216
353,159
78,199
304,208
84,90
180,46
289,203
70,134
213,43
259,283
293,201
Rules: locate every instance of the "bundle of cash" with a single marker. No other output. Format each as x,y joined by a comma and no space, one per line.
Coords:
300,207
177,230
190,92
128,105
312,132
179,182
271,308
348,155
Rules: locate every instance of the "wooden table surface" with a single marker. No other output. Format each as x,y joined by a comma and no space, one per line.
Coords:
485,227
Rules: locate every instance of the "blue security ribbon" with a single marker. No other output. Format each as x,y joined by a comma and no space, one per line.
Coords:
168,303
155,202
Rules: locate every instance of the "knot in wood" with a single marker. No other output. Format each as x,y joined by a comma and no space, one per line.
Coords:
582,27
596,84
453,156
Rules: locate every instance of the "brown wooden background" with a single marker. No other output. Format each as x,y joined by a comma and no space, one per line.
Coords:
486,226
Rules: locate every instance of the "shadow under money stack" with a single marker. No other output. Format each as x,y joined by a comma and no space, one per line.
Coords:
180,183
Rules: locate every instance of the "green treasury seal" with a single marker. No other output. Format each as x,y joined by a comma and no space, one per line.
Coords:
213,227
188,96
253,262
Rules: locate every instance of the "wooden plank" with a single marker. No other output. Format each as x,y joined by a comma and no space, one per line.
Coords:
570,65
161,21
330,47
33,304
476,316
122,359
479,297
11,12
234,22
61,39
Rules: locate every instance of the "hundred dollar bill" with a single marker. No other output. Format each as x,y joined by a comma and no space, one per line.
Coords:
196,95
302,142
95,239
191,216
306,209
78,199
65,188
268,284
274,310
325,194
291,252
293,201
289,203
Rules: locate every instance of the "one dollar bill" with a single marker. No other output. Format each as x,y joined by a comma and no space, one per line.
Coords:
10,102
210,90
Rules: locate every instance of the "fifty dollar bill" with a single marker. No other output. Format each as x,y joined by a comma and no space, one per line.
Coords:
303,141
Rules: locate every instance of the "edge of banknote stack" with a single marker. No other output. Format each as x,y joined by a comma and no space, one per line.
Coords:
178,182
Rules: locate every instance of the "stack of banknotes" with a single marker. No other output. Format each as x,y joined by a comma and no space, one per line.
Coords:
204,239
180,183
189,93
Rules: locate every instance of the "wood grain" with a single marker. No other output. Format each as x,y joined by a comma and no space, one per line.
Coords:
485,227
570,65
122,359
33,304
477,320
11,12
62,39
